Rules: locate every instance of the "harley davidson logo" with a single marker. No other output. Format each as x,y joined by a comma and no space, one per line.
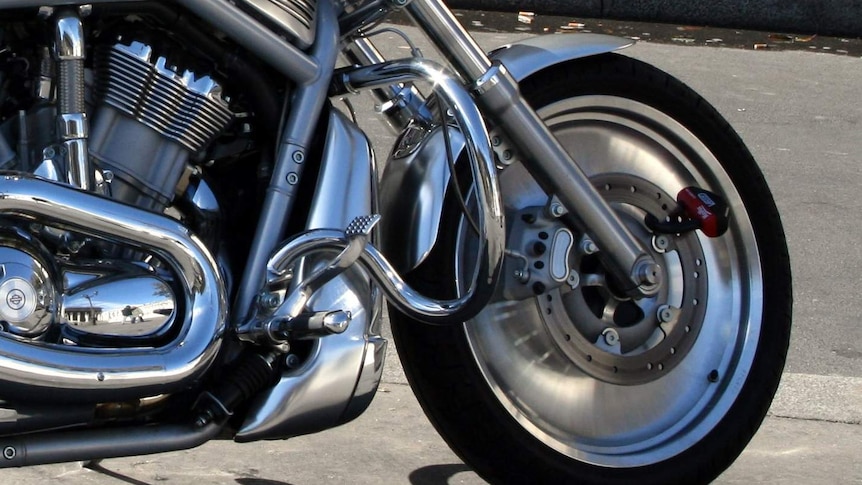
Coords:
16,299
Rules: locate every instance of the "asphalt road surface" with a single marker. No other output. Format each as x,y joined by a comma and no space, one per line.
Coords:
799,112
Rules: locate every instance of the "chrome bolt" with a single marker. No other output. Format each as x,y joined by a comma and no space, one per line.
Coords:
573,280
661,243
48,152
587,246
292,178
507,155
46,12
269,300
665,313
557,210
298,157
496,141
611,336
521,275
85,10
9,453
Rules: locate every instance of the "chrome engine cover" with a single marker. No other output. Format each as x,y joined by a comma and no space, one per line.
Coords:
124,303
36,369
28,295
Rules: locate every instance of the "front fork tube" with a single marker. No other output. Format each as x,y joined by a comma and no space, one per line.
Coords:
497,94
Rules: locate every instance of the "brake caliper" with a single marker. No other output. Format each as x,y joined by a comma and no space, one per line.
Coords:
696,209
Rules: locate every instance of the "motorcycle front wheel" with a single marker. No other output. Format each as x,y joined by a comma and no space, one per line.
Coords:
534,390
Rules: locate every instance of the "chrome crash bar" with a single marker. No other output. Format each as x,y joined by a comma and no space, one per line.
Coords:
487,193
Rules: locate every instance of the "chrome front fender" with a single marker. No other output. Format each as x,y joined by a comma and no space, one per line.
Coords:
417,173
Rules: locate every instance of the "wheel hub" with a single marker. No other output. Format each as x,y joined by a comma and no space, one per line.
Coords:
615,338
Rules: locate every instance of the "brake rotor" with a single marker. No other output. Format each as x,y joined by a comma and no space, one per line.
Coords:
618,339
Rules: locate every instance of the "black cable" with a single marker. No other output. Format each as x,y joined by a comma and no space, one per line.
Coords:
450,159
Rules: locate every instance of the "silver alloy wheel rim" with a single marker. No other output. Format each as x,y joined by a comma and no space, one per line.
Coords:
555,397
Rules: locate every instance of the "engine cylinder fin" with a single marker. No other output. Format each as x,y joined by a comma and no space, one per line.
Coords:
179,104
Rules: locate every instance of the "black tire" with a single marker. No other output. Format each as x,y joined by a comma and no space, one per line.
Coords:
447,366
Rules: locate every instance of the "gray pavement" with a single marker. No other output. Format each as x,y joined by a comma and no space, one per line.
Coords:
800,443
800,114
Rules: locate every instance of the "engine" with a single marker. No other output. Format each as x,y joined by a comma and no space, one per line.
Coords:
152,114
158,114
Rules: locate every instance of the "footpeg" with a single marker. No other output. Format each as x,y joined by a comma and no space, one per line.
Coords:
277,319
315,324
356,234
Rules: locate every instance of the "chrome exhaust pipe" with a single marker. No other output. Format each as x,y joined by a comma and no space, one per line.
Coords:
68,373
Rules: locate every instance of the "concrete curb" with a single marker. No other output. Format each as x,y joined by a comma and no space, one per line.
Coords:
823,17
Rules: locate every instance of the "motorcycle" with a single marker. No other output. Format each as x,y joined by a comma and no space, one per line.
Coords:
586,273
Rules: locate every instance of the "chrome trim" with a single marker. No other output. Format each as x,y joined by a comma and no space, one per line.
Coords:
399,293
490,214
79,163
28,292
534,54
73,129
450,37
69,37
73,126
129,303
75,373
399,103
490,78
340,378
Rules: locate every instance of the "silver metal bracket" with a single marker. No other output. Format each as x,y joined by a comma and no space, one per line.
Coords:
278,319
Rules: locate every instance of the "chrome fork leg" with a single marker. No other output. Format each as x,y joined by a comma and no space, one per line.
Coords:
497,94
